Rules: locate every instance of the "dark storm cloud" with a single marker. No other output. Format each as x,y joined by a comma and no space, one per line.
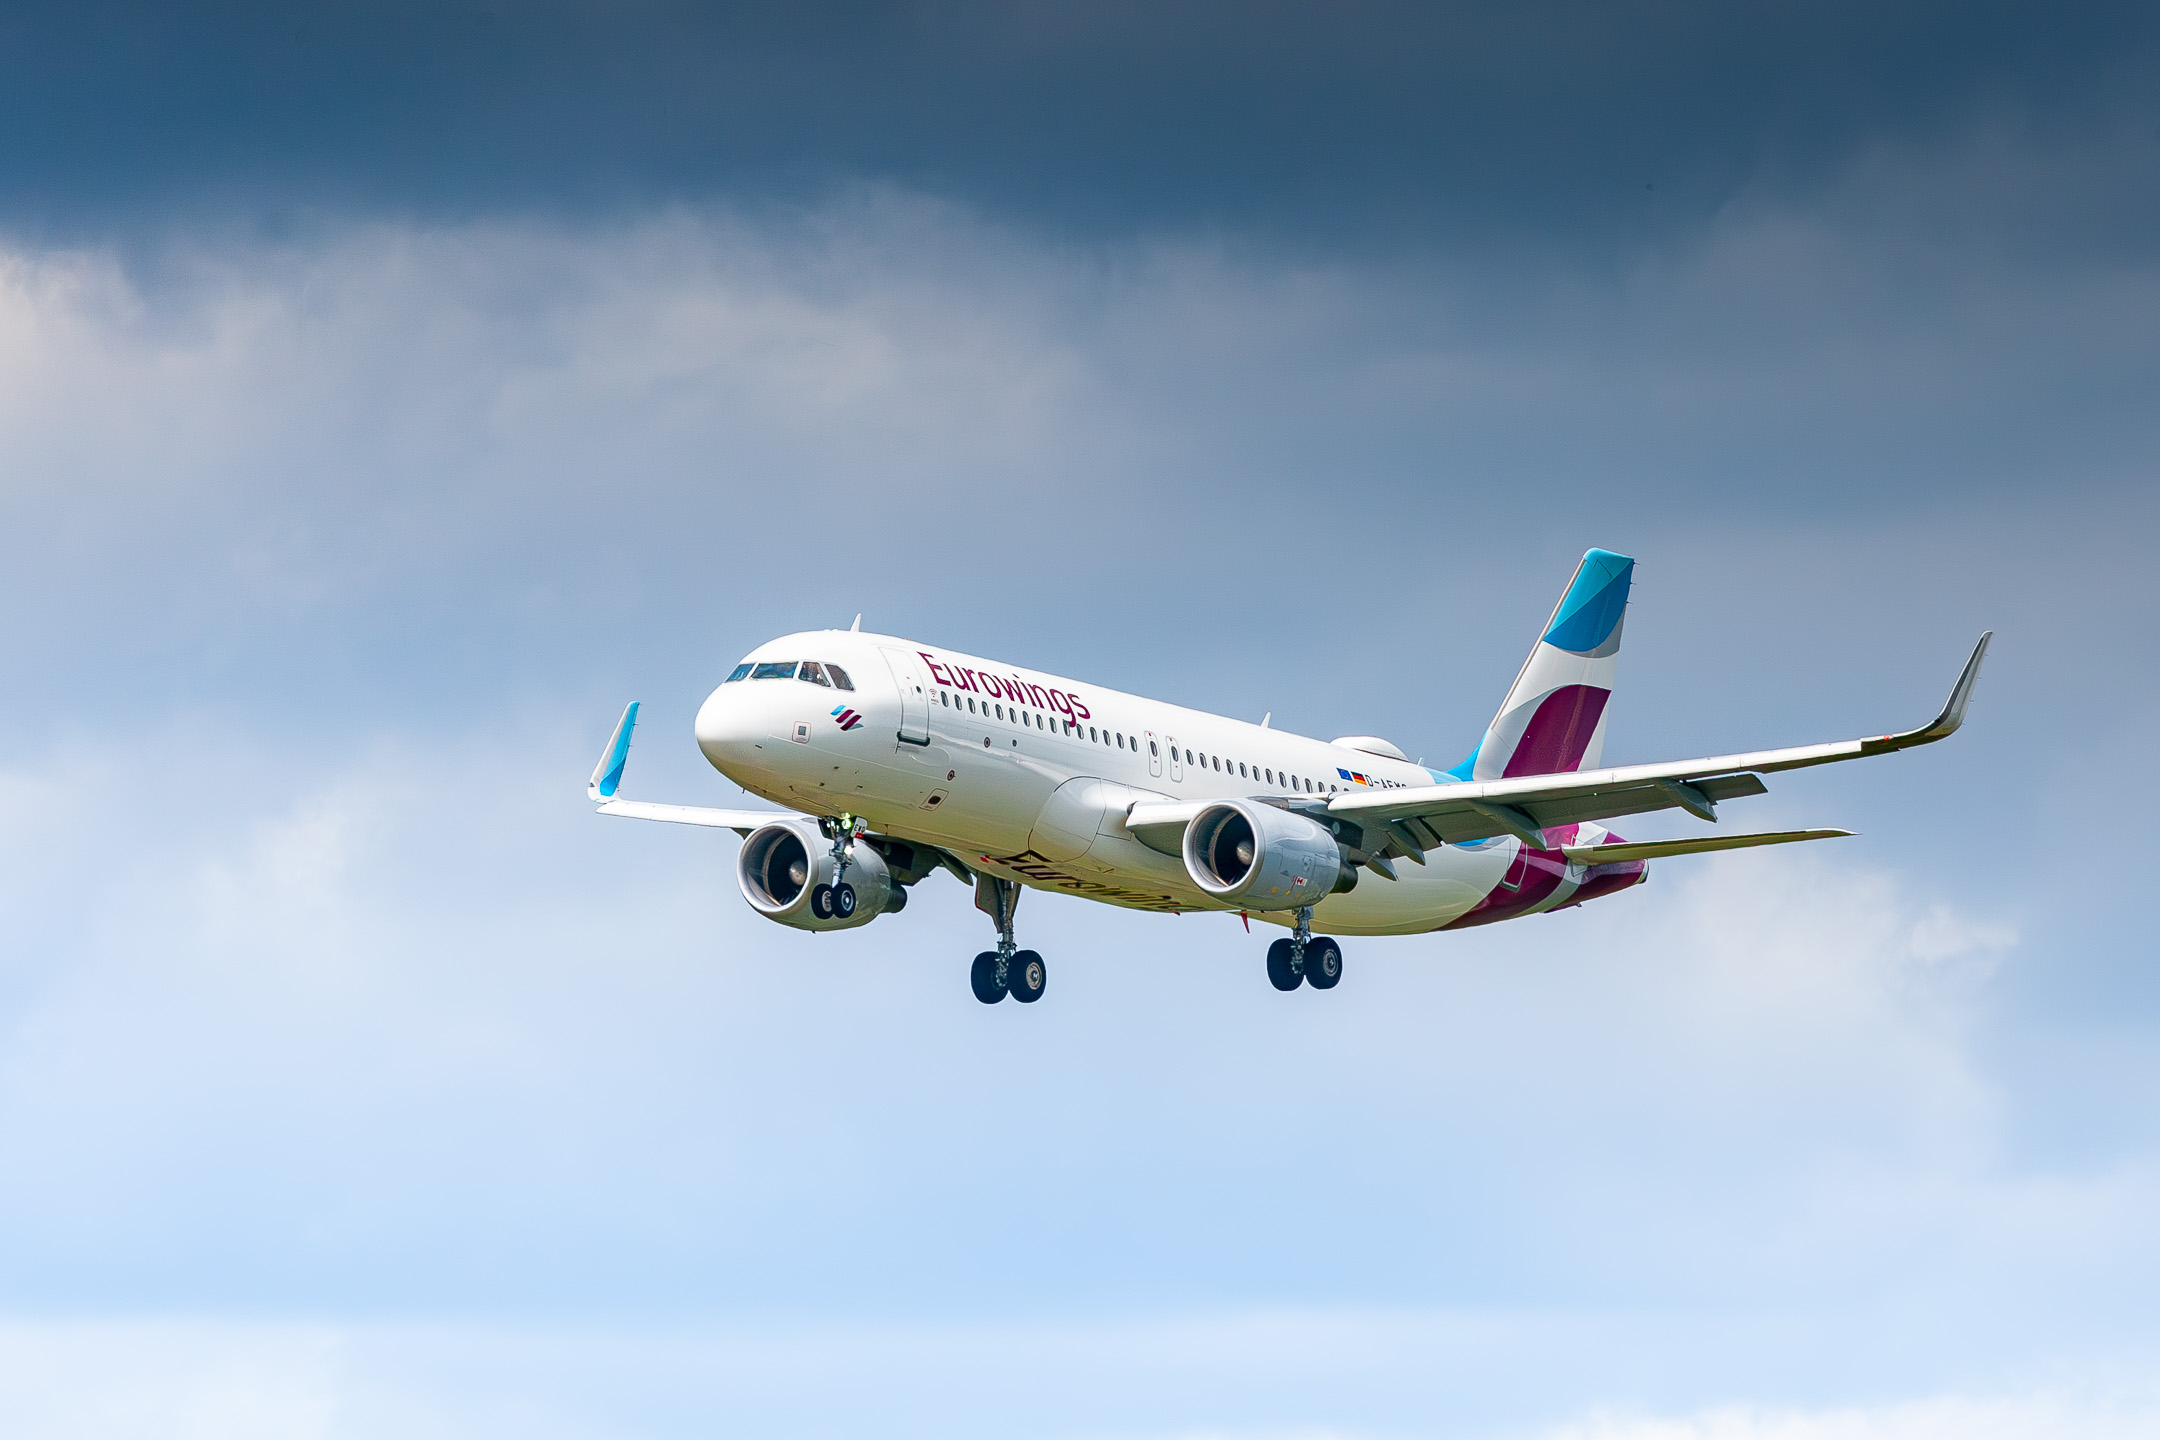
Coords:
1555,119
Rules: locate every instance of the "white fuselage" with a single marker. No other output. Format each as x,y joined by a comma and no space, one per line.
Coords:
1028,776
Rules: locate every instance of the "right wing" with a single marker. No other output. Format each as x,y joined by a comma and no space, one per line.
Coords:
1525,805
607,779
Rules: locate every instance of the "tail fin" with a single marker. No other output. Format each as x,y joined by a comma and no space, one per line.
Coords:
1553,721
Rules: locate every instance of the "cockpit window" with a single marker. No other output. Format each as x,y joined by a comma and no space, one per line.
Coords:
738,672
814,673
839,676
775,670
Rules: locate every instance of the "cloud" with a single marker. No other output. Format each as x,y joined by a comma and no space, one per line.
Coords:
2013,1417
439,455
388,1030
1362,1375
326,996
1553,124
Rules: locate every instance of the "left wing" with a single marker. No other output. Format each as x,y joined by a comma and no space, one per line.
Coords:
607,779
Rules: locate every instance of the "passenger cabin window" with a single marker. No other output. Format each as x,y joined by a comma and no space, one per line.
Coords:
739,672
814,673
775,670
1151,748
839,676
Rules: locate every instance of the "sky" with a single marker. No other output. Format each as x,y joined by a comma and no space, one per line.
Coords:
389,393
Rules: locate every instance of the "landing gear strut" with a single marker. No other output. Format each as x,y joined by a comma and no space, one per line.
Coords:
837,900
1304,957
1005,970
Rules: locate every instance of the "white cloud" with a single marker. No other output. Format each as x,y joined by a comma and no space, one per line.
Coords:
1355,1376
325,992
2043,1416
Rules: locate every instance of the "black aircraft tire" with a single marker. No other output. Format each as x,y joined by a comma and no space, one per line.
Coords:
1027,977
1323,963
1279,972
982,975
843,900
821,902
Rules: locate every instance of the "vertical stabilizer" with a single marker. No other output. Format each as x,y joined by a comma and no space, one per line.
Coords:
1553,720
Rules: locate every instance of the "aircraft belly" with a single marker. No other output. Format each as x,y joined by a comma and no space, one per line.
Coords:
1450,883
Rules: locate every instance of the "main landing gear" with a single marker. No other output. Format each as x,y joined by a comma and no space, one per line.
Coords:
837,900
1005,970
1304,958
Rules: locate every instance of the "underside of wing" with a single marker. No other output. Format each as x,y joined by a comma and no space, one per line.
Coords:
1160,824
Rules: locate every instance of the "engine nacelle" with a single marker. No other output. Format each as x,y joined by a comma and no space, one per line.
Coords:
780,865
1261,858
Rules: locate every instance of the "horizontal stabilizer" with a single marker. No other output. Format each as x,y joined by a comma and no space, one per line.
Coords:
1659,849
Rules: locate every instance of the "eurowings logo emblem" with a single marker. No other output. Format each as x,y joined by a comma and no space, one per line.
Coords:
845,717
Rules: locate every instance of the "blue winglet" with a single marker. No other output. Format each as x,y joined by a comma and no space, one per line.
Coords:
607,775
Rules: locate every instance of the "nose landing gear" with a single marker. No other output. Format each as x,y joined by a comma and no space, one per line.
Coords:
837,900
1005,970
1304,958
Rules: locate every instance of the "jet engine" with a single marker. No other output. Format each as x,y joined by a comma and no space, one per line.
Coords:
782,865
1262,858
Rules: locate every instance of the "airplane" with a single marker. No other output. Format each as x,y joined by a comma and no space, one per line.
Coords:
895,760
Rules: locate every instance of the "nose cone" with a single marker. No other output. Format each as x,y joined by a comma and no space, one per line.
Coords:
723,726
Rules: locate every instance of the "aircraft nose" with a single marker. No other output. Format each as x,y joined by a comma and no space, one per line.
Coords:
721,724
